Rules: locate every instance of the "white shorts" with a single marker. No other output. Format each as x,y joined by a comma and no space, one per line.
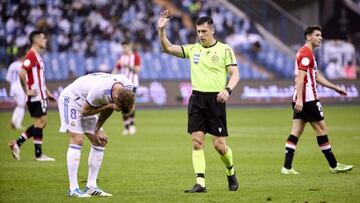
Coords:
70,115
18,94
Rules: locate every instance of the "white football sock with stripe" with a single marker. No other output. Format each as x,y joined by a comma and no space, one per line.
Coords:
73,160
95,159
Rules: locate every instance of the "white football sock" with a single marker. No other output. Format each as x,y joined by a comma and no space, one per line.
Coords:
95,159
73,160
18,116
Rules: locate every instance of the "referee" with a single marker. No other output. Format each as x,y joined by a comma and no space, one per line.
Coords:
210,62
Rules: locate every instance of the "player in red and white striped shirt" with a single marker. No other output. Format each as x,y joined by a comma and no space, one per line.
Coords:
129,65
305,62
32,79
306,104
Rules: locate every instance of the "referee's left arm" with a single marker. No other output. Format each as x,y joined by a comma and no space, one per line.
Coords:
234,76
224,95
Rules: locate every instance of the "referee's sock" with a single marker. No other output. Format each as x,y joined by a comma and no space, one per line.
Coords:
38,135
290,148
25,135
198,158
227,159
325,147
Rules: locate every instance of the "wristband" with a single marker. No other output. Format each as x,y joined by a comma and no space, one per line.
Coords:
228,89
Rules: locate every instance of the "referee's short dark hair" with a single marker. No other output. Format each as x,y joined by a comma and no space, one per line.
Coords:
204,19
33,34
310,29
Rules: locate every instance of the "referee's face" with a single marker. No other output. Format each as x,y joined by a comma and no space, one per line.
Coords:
205,33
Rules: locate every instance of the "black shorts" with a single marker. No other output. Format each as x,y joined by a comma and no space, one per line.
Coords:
312,111
206,114
37,108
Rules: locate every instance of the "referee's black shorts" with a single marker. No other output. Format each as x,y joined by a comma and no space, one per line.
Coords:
37,108
312,111
206,114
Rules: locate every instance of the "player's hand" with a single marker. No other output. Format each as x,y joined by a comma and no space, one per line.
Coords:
100,137
103,138
114,107
222,96
51,99
163,20
298,106
341,91
30,92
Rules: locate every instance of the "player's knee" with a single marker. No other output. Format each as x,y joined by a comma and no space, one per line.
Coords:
197,144
40,123
78,140
220,146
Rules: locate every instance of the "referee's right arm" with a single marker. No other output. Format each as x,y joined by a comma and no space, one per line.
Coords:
166,45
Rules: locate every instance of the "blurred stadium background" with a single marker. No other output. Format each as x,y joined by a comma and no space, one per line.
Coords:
85,36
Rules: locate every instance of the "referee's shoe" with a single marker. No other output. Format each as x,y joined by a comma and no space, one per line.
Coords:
233,183
197,188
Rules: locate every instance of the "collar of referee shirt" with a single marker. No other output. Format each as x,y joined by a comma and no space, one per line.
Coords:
210,45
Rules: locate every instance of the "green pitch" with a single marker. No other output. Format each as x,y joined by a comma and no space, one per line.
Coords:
155,164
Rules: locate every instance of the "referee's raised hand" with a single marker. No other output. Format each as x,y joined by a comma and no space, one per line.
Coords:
163,20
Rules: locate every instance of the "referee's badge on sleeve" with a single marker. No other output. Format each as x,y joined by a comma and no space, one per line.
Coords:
196,58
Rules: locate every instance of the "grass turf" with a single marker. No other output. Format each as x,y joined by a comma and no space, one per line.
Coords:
155,164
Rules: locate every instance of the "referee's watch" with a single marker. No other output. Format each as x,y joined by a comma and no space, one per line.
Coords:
228,89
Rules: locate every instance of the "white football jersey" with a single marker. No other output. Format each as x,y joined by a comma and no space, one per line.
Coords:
16,90
12,75
96,88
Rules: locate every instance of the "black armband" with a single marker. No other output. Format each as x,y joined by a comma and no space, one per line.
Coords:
228,89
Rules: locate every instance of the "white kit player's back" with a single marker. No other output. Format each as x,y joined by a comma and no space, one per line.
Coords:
84,84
